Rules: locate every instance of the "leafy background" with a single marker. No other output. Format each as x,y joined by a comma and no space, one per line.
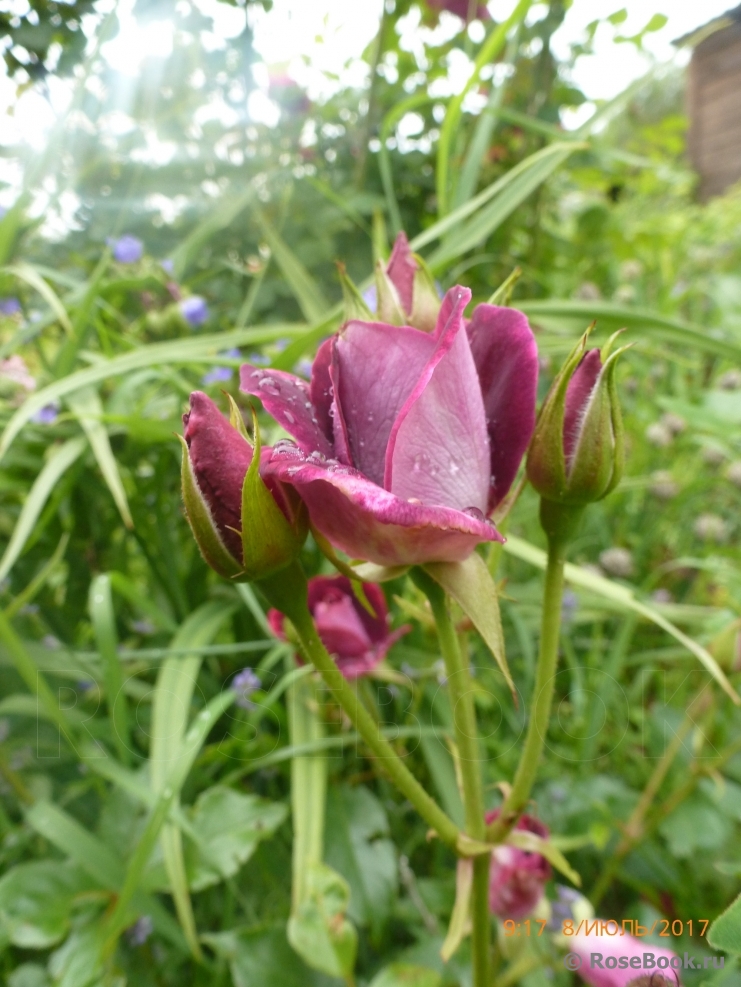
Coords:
149,824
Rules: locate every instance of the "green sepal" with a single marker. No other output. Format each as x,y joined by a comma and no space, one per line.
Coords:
503,294
235,418
202,524
353,303
425,299
269,541
546,463
388,304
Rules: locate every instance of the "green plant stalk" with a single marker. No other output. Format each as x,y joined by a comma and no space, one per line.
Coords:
559,524
460,689
287,591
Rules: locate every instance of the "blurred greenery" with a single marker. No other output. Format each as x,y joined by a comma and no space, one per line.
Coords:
145,831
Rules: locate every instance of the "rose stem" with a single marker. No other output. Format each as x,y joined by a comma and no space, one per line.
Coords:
460,688
559,523
287,591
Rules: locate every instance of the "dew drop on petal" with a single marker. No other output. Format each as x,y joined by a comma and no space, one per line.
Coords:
475,513
289,417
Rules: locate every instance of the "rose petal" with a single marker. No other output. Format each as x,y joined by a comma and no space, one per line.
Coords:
220,457
378,365
320,387
506,358
376,627
287,399
340,628
340,435
401,269
580,387
438,451
367,522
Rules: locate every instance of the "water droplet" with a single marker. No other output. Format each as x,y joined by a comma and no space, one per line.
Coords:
316,457
269,386
475,513
362,443
421,462
257,374
413,500
289,417
292,470
454,468
370,416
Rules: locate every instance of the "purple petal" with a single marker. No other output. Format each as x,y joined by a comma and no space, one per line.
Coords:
401,269
580,387
438,451
377,368
368,522
506,358
321,387
340,434
287,399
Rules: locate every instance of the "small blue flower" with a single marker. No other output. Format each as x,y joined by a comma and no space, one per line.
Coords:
138,933
168,265
9,306
194,310
217,375
127,249
46,415
144,627
280,344
303,367
258,359
244,684
234,353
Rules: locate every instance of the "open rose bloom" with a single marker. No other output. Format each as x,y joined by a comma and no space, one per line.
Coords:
357,640
405,440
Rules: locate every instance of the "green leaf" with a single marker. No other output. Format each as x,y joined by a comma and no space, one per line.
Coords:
218,219
725,932
228,827
695,826
88,409
358,847
170,712
261,957
307,292
572,315
625,599
406,975
59,461
532,843
472,587
197,349
100,605
77,963
29,975
36,900
27,273
318,929
508,193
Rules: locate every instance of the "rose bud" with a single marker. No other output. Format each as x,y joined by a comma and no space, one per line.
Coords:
517,877
406,440
576,455
217,489
616,950
357,640
405,290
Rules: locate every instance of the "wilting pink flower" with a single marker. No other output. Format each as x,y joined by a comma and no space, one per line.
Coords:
461,8
357,640
517,877
622,959
406,440
219,457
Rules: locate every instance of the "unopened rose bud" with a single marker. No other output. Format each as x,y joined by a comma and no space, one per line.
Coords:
576,455
405,290
517,877
245,529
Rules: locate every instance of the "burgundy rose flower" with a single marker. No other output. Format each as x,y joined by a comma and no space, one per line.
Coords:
613,948
406,440
356,640
405,293
219,458
517,877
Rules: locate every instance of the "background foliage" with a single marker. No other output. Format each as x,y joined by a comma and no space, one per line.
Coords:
127,770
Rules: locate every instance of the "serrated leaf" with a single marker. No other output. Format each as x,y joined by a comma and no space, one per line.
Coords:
725,932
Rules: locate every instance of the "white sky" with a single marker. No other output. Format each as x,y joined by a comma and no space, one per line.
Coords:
315,39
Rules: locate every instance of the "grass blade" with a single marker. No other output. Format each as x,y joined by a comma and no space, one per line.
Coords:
100,606
25,272
217,220
305,289
58,463
88,408
30,591
625,598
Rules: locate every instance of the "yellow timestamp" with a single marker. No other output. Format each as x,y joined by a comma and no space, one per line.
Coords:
526,928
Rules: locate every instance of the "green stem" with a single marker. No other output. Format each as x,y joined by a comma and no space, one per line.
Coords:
287,592
460,689
559,523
